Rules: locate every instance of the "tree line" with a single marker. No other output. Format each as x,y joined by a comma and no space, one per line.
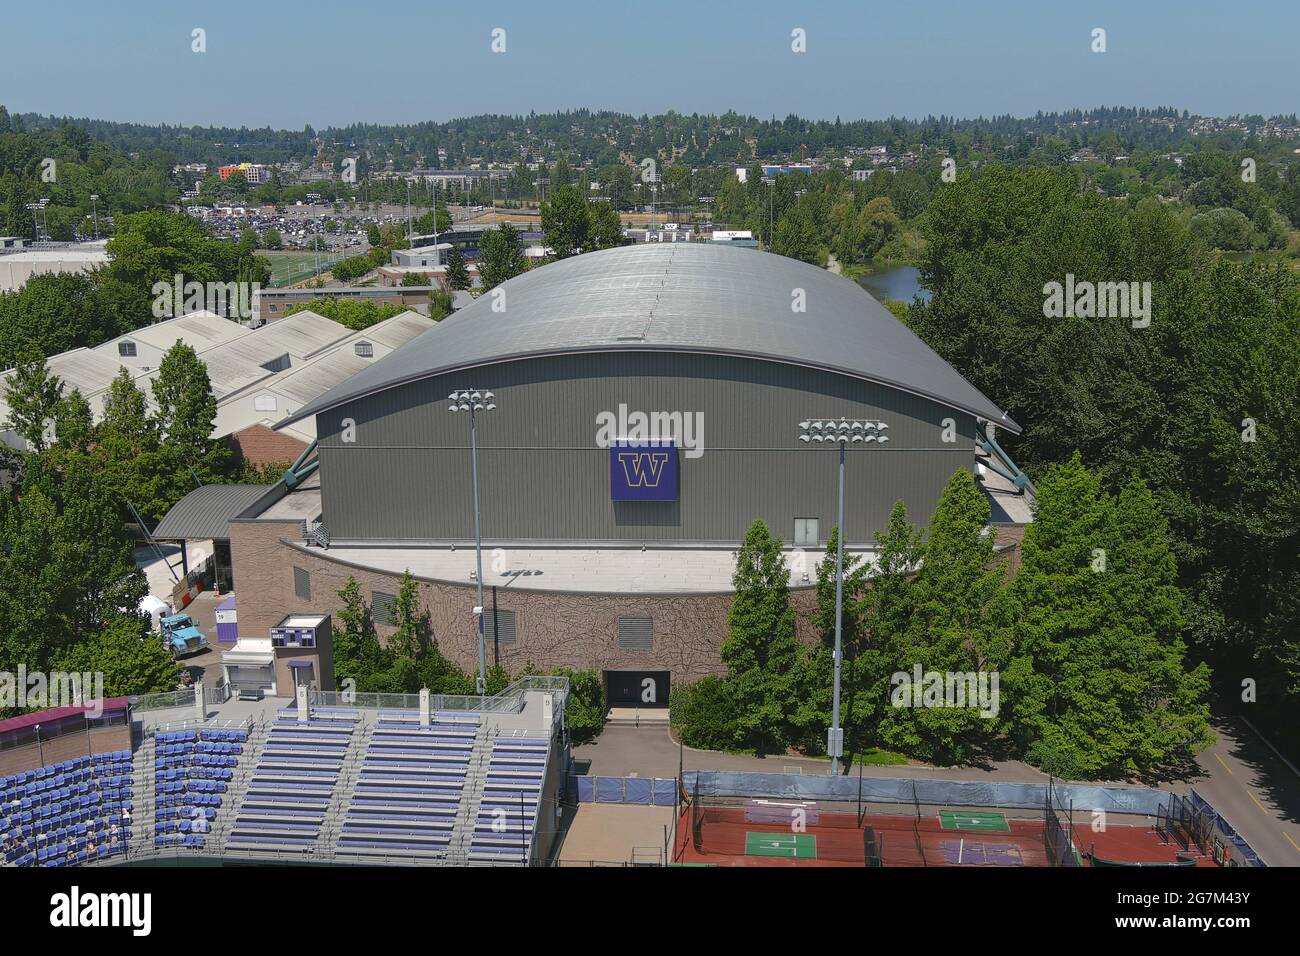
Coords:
1092,677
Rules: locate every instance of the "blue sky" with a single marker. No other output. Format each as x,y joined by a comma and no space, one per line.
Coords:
287,63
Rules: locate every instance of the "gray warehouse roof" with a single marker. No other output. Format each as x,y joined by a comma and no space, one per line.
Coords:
680,297
206,512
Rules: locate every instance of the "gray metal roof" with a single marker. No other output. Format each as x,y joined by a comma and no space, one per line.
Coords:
206,512
680,297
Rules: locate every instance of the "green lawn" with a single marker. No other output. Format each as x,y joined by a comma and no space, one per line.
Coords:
288,268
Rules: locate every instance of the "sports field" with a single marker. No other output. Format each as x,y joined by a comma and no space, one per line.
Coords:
772,833
288,268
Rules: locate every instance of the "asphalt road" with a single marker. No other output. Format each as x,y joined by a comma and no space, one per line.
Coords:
1254,790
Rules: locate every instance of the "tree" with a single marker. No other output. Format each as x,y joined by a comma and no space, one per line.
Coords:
500,256
132,660
272,239
961,623
761,650
796,236
565,222
1098,686
414,631
73,425
458,278
33,395
183,393
357,651
815,706
876,225
605,229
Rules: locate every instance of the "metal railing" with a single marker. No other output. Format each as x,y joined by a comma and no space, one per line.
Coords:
164,701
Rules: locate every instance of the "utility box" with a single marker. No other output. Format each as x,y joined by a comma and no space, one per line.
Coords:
227,629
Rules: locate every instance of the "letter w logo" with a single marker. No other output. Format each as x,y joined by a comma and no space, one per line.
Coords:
643,469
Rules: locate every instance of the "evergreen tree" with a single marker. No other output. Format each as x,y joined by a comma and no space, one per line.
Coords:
73,424
500,256
414,630
960,624
1098,686
357,652
761,650
33,395
458,278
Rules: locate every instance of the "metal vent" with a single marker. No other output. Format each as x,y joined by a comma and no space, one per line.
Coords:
381,607
636,633
499,627
302,584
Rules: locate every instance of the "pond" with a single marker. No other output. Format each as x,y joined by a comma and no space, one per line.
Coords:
895,282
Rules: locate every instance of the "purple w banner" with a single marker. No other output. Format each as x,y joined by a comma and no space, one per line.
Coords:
643,471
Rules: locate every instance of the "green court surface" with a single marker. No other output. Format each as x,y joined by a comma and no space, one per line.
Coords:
967,820
795,846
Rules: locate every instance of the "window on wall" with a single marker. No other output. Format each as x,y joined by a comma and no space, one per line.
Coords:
636,633
806,532
302,584
381,607
499,626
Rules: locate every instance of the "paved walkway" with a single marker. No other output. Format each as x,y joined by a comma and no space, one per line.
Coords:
612,833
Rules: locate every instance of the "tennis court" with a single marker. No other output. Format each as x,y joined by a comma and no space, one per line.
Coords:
769,833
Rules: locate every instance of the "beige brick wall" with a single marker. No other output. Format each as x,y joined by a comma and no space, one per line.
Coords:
28,756
554,629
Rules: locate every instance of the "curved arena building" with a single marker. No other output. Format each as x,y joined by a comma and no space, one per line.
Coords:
648,404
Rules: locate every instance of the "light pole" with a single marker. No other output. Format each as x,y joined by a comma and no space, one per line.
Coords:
771,226
843,433
94,209
473,400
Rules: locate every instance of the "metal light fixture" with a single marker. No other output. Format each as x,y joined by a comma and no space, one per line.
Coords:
475,400
842,433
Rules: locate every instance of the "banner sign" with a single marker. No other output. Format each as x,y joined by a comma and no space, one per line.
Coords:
643,471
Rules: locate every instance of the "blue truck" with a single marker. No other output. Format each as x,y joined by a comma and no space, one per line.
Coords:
180,635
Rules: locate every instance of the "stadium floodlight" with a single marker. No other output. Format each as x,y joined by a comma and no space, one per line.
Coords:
843,432
475,400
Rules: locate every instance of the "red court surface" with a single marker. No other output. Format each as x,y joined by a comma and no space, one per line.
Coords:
727,833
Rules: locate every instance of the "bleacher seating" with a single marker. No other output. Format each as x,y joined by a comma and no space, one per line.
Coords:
409,790
507,809
290,790
71,812
192,771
